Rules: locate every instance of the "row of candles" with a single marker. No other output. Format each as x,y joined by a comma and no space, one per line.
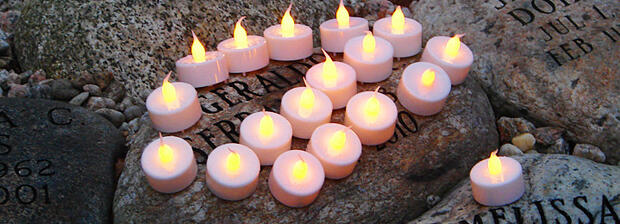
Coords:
333,149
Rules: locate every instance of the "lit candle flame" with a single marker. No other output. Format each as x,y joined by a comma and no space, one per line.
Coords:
265,127
330,73
337,142
369,43
428,77
239,35
342,16
198,51
300,170
306,101
452,47
233,162
495,164
398,21
372,107
165,152
170,94
288,24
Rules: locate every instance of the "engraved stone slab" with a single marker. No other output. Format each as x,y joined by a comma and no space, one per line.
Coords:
56,163
551,61
558,189
426,156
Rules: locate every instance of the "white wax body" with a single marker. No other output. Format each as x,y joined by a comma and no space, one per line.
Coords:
178,119
456,68
254,57
418,98
209,72
337,165
304,126
345,86
229,185
270,148
371,133
299,46
289,192
407,44
333,38
491,190
175,175
369,67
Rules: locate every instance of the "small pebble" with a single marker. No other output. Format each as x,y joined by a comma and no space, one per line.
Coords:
124,104
559,147
134,112
83,79
93,90
79,99
117,118
63,90
509,150
96,102
41,91
18,90
589,152
37,77
525,142
115,91
103,79
511,127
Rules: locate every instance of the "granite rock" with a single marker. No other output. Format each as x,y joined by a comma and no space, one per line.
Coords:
62,90
115,91
547,136
525,141
40,91
56,163
83,78
95,103
511,127
20,91
93,90
79,99
134,112
509,150
390,184
559,147
530,70
589,152
565,189
117,118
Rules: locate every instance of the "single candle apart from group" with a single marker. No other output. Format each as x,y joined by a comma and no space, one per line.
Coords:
202,68
336,32
305,108
296,178
169,164
453,56
288,41
336,79
337,147
372,115
244,53
404,34
173,107
497,181
423,88
268,134
232,172
370,56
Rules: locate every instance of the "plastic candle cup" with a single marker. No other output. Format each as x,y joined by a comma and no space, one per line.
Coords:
289,41
306,108
232,172
335,79
423,88
296,178
173,107
336,32
202,68
497,181
372,115
404,34
451,55
337,147
370,56
169,164
268,134
244,53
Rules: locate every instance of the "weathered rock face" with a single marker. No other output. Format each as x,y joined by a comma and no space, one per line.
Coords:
558,189
390,184
529,69
56,163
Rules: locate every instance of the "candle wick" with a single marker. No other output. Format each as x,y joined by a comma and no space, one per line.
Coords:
301,158
376,90
229,149
161,139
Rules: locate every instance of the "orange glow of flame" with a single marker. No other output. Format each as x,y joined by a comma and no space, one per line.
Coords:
240,36
369,43
428,77
300,170
372,108
165,153
288,24
330,73
342,16
398,21
170,95
198,51
233,162
495,164
306,101
266,127
453,46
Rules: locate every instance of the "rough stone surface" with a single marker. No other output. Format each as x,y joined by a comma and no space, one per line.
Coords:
17,90
589,152
524,142
511,127
116,117
559,147
62,90
523,80
390,184
93,90
546,136
79,99
509,150
558,183
133,112
39,91
56,163
95,103
115,91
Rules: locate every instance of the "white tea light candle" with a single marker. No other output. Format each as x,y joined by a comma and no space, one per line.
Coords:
335,79
169,164
268,134
306,108
202,68
288,41
336,32
370,56
244,53
404,34
372,115
497,181
173,107
337,147
296,178
232,172
454,57
423,88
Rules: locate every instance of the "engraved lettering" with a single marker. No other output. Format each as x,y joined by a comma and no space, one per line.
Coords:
228,128
497,216
541,211
546,8
606,206
26,194
243,89
45,167
215,105
518,216
557,207
5,148
522,15
222,94
3,169
5,120
4,195
208,138
583,209
266,83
